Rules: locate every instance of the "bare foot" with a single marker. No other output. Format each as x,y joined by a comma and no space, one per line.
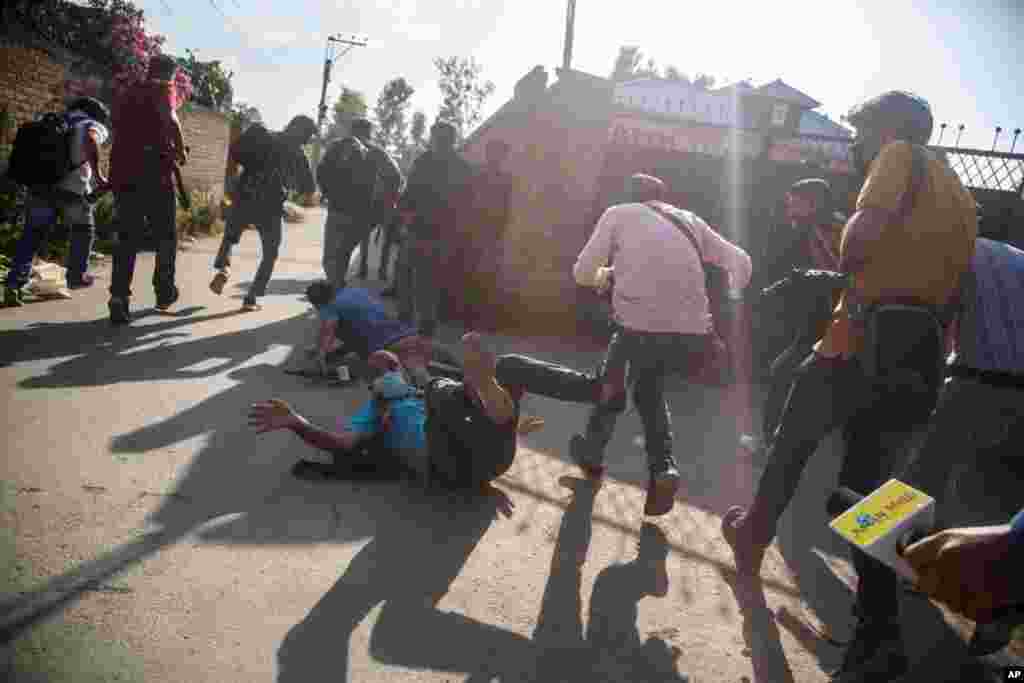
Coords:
479,366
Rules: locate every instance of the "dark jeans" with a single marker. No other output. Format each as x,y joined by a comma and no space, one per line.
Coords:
652,357
828,394
782,374
135,208
40,220
390,237
466,447
267,219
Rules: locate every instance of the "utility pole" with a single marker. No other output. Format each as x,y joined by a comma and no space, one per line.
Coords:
570,30
350,41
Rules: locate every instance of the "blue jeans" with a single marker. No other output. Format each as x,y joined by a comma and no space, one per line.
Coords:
40,220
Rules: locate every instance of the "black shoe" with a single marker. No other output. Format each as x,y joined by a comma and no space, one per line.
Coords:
119,311
875,655
390,292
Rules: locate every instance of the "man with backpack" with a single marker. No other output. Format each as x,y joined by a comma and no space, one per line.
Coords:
57,159
149,143
361,183
877,367
272,164
386,189
438,183
662,310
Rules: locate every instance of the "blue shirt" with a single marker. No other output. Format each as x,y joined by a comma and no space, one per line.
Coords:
991,329
408,424
366,318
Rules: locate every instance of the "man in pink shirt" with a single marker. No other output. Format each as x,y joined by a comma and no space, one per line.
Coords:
663,319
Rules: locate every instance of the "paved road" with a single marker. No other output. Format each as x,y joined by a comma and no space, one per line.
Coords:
129,472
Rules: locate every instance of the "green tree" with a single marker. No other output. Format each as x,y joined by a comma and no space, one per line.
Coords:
704,81
210,82
392,124
417,141
672,73
463,92
351,104
628,65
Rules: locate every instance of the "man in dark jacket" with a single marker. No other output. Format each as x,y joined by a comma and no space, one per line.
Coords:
386,190
149,142
437,184
361,182
260,195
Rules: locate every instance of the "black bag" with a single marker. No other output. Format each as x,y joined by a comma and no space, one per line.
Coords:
347,175
254,148
42,151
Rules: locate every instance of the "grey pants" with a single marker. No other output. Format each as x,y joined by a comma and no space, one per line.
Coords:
342,234
418,278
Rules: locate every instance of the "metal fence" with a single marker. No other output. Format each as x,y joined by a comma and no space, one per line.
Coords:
992,171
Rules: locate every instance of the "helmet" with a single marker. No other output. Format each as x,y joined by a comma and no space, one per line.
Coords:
902,111
95,109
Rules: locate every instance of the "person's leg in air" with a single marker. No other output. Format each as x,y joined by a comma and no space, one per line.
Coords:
40,219
271,232
824,395
587,449
238,216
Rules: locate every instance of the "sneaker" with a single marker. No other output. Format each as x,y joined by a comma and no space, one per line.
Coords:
250,306
218,282
579,455
13,297
875,655
86,280
119,311
747,553
163,306
661,493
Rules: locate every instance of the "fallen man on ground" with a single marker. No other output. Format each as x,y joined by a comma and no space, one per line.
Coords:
454,435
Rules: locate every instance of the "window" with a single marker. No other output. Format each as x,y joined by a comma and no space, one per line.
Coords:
682,106
779,112
668,104
643,100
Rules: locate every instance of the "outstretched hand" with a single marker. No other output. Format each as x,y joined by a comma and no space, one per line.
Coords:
967,569
272,415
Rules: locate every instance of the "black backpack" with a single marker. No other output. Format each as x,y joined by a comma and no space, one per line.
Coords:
42,151
255,147
347,174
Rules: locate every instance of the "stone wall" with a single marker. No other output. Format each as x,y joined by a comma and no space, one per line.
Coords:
207,133
31,82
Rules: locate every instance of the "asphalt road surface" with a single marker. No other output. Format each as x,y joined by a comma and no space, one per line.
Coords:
149,535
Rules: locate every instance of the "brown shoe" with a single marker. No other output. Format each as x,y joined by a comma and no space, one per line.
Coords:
661,494
219,280
748,553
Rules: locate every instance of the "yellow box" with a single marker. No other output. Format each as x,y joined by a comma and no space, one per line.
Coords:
879,513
